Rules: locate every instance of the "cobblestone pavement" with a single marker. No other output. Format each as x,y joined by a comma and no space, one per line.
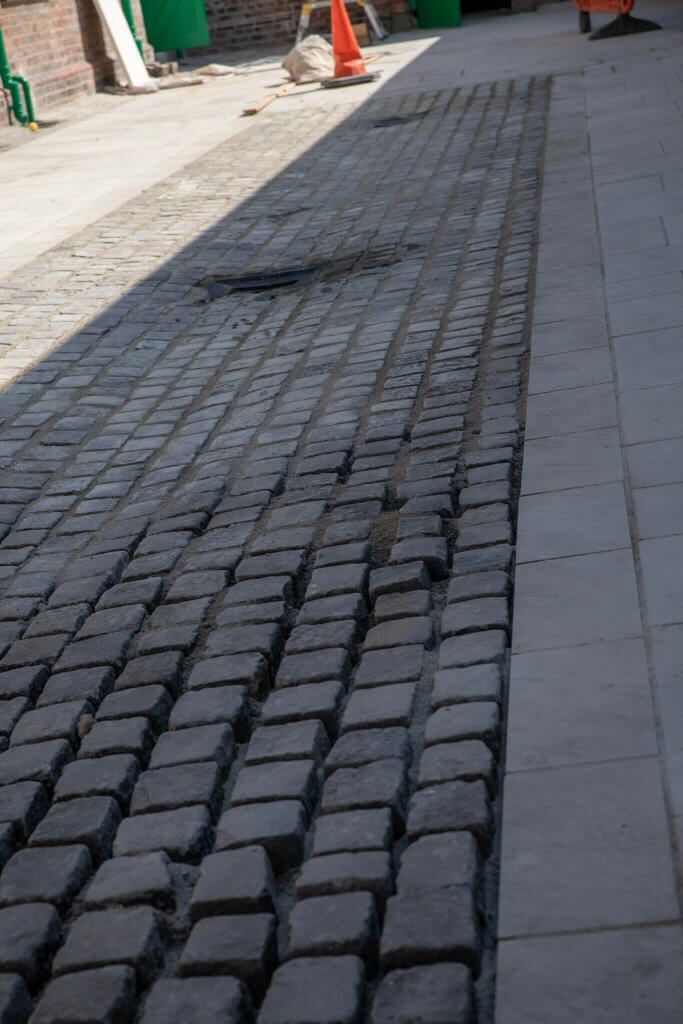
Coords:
255,568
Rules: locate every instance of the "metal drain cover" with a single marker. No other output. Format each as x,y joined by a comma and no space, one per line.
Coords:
218,285
392,122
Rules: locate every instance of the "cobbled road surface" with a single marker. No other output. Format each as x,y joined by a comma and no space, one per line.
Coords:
256,556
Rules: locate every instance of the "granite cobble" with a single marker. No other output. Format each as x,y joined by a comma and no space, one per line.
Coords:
255,574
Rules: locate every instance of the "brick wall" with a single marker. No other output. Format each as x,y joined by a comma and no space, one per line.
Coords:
59,46
236,24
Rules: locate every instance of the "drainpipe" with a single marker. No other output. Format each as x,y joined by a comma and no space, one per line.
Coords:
16,85
128,14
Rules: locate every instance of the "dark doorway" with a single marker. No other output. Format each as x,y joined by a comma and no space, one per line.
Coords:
475,6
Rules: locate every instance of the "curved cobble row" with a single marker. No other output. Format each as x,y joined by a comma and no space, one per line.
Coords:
256,568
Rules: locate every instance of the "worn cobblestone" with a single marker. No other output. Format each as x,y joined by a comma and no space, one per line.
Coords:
233,531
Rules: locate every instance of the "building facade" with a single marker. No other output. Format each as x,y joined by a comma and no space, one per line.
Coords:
59,46
243,24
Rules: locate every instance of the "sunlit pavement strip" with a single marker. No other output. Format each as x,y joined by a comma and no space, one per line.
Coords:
256,575
589,915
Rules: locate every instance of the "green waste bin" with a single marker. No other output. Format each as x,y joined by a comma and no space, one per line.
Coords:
175,24
439,13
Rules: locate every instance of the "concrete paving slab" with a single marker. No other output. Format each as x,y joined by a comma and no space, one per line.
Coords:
572,460
577,705
658,510
575,521
571,411
631,976
586,846
564,601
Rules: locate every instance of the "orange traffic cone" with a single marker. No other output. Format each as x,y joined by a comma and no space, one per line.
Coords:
347,56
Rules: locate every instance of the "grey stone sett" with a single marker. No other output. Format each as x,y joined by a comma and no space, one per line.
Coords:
472,616
193,585
337,580
22,682
342,554
133,936
86,684
451,807
278,780
120,736
163,668
169,788
475,720
249,669
292,741
265,639
498,556
42,650
279,826
29,934
152,702
363,746
106,994
439,504
274,612
438,862
126,881
112,775
10,713
379,706
22,805
184,834
243,945
456,685
37,762
484,535
77,592
145,592
380,667
435,994
495,583
332,609
212,706
334,925
349,831
399,606
180,613
283,563
318,666
425,927
316,990
399,578
400,633
45,876
111,563
473,649
336,873
109,649
273,541
346,533
467,760
484,514
15,1002
61,620
144,566
199,743
197,1001
91,821
233,882
304,702
318,637
272,588
170,638
380,784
